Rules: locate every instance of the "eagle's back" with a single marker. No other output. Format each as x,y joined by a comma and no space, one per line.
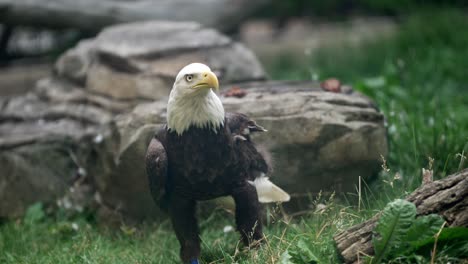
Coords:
203,163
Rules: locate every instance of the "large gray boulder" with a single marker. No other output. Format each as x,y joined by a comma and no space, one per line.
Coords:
319,141
139,61
61,136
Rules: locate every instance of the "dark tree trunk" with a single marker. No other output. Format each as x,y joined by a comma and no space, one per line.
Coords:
447,197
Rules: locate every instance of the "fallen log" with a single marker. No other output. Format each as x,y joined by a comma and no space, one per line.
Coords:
92,16
447,197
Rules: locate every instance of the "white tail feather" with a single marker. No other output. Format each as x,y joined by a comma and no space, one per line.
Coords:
268,192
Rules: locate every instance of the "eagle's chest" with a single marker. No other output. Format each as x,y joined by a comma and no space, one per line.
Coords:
200,154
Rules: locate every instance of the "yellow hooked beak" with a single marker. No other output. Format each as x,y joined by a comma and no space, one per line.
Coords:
208,80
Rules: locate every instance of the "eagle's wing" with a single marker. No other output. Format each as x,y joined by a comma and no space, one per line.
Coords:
241,128
156,168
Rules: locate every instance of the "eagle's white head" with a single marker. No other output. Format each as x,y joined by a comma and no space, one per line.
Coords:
193,102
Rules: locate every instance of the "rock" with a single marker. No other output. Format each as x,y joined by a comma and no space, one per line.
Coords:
143,65
74,63
56,90
19,78
125,189
62,133
45,147
22,183
152,38
319,141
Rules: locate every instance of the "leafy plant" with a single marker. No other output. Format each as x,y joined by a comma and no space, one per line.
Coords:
424,227
400,234
392,227
452,241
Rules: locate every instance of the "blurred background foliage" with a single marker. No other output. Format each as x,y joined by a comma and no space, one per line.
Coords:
417,78
339,9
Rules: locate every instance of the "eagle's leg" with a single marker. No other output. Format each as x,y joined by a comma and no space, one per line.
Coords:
184,222
248,213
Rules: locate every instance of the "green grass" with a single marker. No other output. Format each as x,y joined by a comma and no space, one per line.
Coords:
54,240
418,78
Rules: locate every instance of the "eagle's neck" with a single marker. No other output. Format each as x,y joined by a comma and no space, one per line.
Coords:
203,110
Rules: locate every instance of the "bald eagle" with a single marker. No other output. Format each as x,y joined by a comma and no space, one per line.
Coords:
204,153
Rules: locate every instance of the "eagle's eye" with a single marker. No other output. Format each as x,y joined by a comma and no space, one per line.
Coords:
189,77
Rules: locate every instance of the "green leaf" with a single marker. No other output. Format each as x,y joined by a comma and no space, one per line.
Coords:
34,214
302,254
453,241
424,227
394,223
